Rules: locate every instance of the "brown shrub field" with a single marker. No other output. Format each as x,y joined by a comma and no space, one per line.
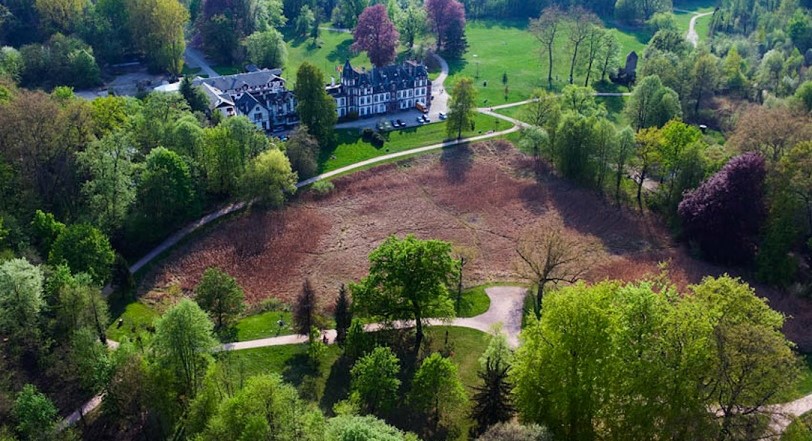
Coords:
480,198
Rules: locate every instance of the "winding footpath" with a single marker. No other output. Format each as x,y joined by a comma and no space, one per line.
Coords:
505,308
692,36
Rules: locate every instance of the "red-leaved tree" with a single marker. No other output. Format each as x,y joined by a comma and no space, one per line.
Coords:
447,20
376,34
724,215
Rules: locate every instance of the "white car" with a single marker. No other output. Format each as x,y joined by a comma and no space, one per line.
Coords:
443,115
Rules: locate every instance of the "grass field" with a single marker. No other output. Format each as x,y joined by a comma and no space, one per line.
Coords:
502,47
332,49
330,382
264,325
136,318
350,148
474,301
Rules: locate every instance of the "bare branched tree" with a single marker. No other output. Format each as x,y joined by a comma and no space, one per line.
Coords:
545,28
550,255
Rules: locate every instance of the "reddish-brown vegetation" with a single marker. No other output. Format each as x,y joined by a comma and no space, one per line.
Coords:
480,198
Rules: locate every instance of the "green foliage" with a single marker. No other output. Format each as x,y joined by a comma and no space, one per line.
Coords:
193,95
514,431
498,352
375,380
227,150
35,414
165,195
461,108
84,249
156,27
265,408
322,187
316,109
343,315
182,344
652,104
720,346
111,190
437,390
803,96
358,341
267,49
11,63
219,294
302,150
45,229
316,348
359,428
91,360
20,300
267,178
407,280
80,305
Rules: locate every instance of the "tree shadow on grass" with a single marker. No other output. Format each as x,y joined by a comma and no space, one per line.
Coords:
342,51
457,162
297,368
337,387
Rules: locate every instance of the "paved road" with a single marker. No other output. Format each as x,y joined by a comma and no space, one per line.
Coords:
506,308
195,58
692,36
439,103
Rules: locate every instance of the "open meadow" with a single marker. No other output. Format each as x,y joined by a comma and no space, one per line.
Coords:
481,198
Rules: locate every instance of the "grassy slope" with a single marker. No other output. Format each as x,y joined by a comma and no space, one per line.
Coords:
507,47
350,148
799,430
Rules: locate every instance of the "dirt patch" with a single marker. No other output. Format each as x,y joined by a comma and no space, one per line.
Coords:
479,198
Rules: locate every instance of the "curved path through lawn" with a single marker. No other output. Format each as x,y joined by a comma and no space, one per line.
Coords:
505,308
692,36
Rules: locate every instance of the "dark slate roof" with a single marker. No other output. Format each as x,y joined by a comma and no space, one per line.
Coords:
381,77
237,81
246,103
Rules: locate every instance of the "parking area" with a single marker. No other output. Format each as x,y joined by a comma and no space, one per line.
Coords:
408,117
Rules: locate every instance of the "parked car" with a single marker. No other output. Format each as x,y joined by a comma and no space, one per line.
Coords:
443,115
420,119
401,123
425,118
395,124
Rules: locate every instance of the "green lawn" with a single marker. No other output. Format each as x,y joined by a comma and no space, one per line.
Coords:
136,318
330,382
350,148
264,325
332,50
498,47
474,302
227,70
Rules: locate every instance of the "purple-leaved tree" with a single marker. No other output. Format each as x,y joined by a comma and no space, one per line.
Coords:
724,215
447,20
376,34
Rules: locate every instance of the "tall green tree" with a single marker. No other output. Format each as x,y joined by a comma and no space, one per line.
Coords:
81,306
462,108
316,109
265,408
302,150
306,310
437,389
352,427
267,49
111,190
182,346
407,281
268,178
342,314
219,294
193,95
157,29
21,300
375,380
651,104
165,195
35,413
84,249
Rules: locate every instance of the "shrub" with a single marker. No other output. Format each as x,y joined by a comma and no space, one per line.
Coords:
322,188
377,140
367,133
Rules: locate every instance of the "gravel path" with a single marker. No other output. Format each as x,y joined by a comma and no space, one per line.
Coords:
692,36
195,58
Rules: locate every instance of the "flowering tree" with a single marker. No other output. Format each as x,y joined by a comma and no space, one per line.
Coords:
376,34
724,215
447,21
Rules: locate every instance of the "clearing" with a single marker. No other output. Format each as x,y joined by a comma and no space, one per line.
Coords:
479,197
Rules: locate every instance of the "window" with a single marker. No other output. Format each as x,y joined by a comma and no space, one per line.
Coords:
257,117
